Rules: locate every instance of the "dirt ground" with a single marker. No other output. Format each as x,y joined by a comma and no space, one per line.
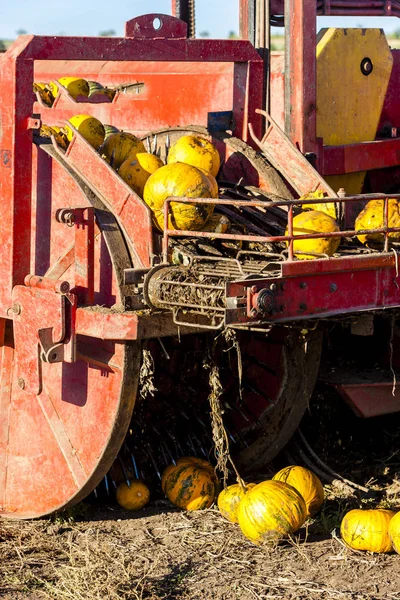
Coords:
161,553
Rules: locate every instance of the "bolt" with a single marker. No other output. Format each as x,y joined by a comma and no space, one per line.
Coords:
273,287
253,289
21,383
64,287
341,193
303,285
302,306
16,308
366,66
253,312
333,287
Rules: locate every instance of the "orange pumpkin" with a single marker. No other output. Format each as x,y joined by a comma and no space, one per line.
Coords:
191,484
270,511
229,499
306,483
132,497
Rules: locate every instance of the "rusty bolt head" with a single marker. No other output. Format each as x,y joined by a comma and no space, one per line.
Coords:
16,308
21,383
253,289
273,287
333,287
253,312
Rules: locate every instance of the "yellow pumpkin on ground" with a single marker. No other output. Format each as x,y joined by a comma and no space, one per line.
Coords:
270,511
367,529
306,483
394,532
132,497
313,221
76,86
229,499
136,170
191,484
89,127
196,151
179,180
327,208
372,217
120,146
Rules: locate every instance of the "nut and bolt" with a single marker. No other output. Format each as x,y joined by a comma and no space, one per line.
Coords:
16,308
254,289
303,285
253,312
273,287
333,287
366,66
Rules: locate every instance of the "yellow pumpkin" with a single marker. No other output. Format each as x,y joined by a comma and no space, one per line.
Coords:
217,223
191,484
44,92
367,529
213,182
306,483
313,221
196,151
270,511
394,532
136,170
110,129
179,180
120,146
89,127
75,86
327,208
133,497
372,217
229,499
96,89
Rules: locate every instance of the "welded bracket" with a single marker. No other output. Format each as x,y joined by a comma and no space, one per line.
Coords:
42,311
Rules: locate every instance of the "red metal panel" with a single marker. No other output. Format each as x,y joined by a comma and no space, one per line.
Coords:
365,156
371,399
300,74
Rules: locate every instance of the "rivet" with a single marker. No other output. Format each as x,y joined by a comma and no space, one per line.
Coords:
303,285
253,289
16,308
21,383
333,287
273,287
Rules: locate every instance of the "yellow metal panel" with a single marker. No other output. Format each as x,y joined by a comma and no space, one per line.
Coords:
349,103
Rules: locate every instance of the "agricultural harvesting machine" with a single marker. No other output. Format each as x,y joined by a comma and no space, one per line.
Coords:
109,328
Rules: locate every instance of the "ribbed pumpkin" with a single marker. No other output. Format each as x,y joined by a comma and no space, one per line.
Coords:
306,483
191,484
372,217
179,180
367,529
394,532
120,146
314,221
89,127
196,151
136,170
133,497
229,499
270,511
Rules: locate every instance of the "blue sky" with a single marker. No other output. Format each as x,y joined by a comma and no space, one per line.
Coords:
88,17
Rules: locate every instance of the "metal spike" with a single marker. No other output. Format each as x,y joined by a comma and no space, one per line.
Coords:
230,435
198,442
106,484
167,356
154,144
168,452
148,145
134,465
113,482
191,445
121,462
153,461
95,492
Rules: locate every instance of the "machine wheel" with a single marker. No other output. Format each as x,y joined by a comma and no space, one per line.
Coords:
57,446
